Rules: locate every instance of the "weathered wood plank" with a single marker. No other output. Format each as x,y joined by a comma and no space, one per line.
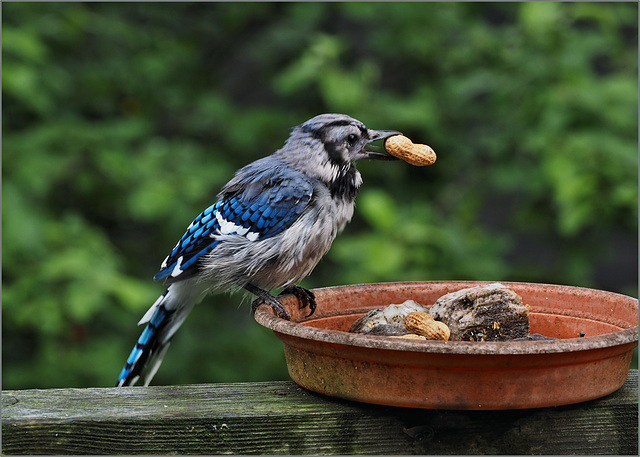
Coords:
282,418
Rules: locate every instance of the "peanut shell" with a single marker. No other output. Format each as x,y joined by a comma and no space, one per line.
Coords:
415,154
423,324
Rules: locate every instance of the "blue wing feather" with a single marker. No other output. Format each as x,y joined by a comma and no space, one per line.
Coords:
259,210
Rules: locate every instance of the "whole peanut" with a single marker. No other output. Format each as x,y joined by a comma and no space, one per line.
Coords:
423,324
415,154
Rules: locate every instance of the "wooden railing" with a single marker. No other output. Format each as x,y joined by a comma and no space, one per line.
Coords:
282,418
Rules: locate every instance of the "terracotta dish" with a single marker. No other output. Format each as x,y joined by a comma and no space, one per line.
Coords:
323,357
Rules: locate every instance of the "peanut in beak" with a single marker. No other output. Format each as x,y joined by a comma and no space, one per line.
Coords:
415,154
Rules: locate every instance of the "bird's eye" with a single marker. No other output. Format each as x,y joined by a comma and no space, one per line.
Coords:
352,138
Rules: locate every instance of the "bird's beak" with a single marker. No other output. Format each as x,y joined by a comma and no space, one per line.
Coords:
374,152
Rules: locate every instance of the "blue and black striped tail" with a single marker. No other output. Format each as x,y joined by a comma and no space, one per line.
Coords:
149,344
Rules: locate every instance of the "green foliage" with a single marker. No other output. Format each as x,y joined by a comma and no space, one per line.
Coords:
122,121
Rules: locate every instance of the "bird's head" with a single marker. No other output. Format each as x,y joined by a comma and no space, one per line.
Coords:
330,143
343,137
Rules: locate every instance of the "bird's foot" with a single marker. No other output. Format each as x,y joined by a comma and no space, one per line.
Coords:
305,297
266,297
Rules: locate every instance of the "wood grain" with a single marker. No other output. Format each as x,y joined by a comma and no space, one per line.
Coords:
282,418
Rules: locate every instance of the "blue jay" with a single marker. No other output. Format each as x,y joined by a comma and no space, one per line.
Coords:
270,226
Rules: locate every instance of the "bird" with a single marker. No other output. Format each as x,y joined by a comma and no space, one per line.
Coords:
268,229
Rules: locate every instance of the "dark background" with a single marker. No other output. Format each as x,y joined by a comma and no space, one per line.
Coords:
121,122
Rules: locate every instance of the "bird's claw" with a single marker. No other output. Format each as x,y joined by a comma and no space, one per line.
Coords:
276,306
305,297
